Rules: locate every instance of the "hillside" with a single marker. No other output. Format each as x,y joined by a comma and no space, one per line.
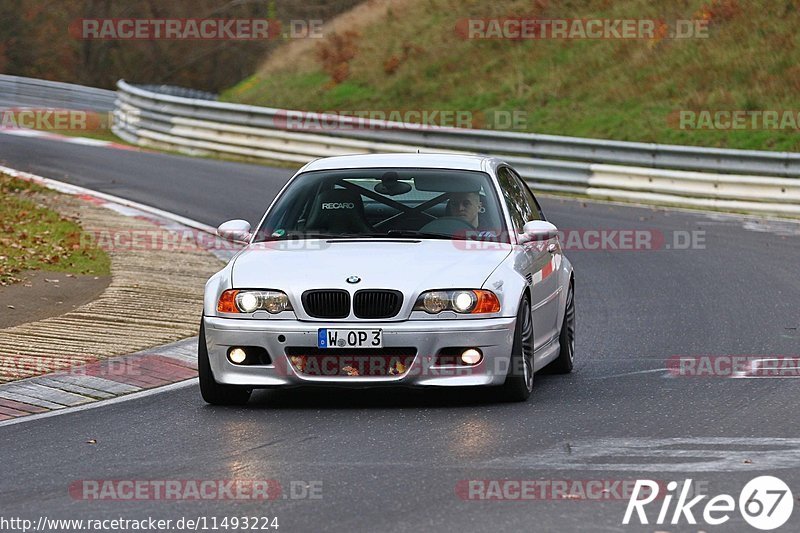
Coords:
42,39
412,55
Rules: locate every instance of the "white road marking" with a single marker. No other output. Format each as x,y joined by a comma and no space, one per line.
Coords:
711,214
123,206
633,373
693,454
75,189
90,142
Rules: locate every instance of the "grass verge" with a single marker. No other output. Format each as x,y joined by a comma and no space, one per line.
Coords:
35,237
413,58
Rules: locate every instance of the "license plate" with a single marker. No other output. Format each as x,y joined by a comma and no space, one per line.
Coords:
349,338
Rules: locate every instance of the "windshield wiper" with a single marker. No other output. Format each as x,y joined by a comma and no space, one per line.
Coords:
310,235
389,234
401,233
417,233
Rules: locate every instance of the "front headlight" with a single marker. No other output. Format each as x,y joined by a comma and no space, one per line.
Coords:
461,301
464,301
434,301
249,301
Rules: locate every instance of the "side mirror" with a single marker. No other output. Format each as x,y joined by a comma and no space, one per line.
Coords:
538,230
235,230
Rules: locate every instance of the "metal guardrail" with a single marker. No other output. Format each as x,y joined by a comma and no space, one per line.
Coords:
530,145
174,90
190,121
681,175
17,91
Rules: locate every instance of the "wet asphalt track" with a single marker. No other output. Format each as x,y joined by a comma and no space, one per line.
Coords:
392,460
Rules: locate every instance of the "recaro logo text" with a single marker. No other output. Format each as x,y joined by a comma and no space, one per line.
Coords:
339,205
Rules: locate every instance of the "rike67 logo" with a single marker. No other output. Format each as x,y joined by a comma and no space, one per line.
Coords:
766,503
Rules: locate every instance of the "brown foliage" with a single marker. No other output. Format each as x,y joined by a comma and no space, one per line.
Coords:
335,54
35,41
391,65
719,10
539,6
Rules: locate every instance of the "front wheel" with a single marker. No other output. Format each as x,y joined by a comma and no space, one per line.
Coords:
211,391
519,380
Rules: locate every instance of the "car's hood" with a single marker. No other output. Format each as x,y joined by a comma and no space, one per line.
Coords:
406,265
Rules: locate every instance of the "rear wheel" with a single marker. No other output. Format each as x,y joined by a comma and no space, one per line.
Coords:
566,356
213,392
519,380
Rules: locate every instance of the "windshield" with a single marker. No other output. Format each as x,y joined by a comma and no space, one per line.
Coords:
386,202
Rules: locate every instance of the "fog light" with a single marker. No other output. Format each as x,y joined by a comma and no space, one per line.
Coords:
237,356
471,356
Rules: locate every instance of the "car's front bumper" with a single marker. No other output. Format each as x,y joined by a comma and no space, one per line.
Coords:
494,337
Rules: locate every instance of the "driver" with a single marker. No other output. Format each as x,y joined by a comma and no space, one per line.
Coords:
466,206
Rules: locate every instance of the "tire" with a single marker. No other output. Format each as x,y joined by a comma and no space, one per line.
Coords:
211,391
519,380
566,355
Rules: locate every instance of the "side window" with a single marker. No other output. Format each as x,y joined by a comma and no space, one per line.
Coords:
535,209
514,198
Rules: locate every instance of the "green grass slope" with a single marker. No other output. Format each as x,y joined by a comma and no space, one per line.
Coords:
410,56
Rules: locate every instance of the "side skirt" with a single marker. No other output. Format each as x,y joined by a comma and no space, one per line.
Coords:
546,354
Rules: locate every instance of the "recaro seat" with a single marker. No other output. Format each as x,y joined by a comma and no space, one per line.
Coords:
338,211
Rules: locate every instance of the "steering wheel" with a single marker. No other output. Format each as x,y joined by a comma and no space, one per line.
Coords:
451,225
401,217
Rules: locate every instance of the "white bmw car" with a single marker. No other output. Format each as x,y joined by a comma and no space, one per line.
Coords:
411,270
